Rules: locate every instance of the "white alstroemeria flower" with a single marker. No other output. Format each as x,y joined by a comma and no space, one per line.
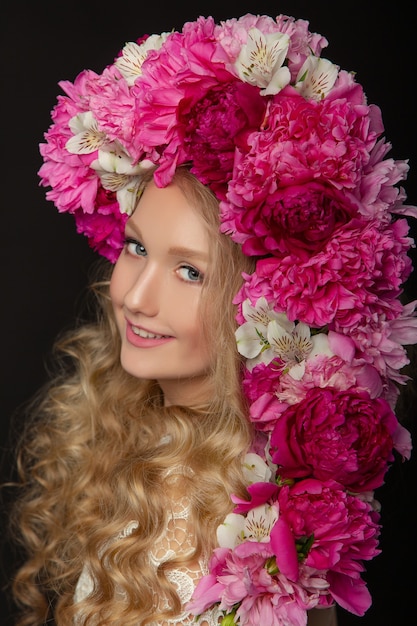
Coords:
251,337
117,161
117,174
261,60
128,195
231,532
87,137
255,470
296,346
255,526
316,78
133,55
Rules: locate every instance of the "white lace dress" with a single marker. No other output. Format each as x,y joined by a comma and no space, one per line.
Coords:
176,540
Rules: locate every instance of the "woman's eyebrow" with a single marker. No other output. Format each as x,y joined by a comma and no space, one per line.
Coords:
179,251
183,251
132,226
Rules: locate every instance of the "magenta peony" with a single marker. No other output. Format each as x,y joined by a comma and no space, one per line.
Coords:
341,435
345,533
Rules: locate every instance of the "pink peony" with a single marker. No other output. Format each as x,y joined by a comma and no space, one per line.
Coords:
301,141
381,341
253,288
345,532
105,227
217,123
76,187
310,292
113,105
73,183
378,192
174,78
326,371
262,379
209,590
356,276
343,435
239,578
297,220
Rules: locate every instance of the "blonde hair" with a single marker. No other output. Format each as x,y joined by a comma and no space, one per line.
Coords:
94,457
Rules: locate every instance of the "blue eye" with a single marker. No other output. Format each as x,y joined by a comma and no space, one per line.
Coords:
134,247
190,274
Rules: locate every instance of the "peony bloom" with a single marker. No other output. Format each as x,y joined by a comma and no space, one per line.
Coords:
329,372
78,147
105,227
73,183
356,276
298,220
243,579
345,532
301,141
174,79
341,435
215,124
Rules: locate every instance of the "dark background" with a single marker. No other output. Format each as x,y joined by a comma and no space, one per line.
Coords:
45,265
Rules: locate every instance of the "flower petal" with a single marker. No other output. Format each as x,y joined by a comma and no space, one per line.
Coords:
283,545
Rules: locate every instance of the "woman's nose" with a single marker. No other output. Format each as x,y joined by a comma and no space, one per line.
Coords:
144,294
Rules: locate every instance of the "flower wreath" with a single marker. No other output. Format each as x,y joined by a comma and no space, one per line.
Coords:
295,155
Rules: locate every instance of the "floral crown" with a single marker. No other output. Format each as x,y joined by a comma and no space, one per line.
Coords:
295,155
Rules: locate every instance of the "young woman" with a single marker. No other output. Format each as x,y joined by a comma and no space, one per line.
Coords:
209,448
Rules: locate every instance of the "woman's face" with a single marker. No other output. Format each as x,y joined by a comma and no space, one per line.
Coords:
156,290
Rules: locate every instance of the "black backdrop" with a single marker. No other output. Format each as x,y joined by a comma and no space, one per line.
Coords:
44,264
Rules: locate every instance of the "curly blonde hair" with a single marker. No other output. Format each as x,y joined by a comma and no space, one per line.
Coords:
94,456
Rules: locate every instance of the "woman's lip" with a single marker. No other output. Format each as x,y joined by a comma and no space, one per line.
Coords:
141,331
144,342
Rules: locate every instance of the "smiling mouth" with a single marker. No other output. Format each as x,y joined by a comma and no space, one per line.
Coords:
146,335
